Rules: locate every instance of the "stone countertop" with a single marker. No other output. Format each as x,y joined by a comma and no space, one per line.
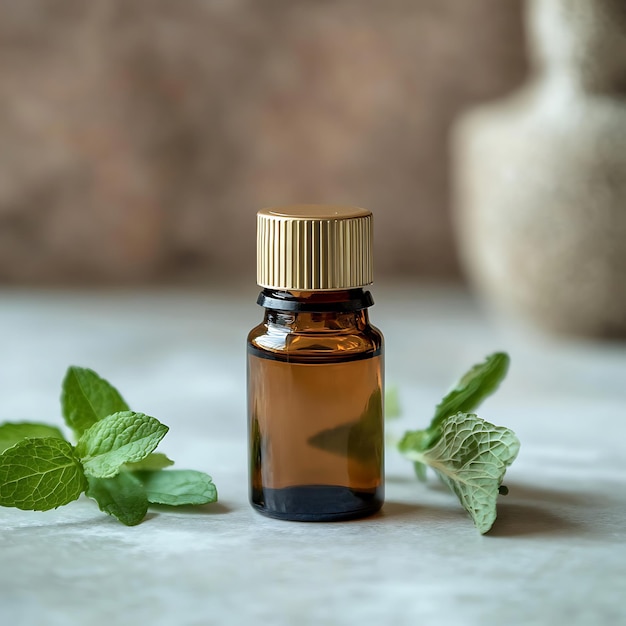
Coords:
557,553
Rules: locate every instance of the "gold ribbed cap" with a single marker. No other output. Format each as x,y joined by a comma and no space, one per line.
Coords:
310,247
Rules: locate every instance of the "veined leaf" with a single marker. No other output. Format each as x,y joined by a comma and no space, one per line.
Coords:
40,474
86,398
154,461
122,496
14,432
471,457
475,385
178,487
125,437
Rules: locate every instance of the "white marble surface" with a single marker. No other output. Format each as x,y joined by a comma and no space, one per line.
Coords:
556,555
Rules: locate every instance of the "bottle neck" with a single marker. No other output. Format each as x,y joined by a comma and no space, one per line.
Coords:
341,301
316,311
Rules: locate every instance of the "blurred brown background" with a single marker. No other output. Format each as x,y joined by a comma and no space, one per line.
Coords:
139,138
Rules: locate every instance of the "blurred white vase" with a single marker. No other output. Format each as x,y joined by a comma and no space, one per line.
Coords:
540,177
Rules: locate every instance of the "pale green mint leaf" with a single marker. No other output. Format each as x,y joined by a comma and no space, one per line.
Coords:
392,403
153,462
471,457
178,487
476,385
40,474
86,398
122,496
13,432
125,437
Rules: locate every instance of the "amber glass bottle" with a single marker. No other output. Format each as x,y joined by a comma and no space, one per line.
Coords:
315,368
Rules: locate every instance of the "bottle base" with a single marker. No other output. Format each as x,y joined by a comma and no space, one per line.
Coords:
316,503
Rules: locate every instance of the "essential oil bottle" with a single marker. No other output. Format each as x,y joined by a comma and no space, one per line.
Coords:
315,368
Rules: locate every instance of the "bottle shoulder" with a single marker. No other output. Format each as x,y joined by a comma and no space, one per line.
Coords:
364,340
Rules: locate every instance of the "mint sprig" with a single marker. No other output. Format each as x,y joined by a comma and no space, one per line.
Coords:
469,454
113,461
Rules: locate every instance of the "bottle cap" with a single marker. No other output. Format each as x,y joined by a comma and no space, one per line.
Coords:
311,247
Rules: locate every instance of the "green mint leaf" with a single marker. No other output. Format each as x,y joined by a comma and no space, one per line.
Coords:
392,403
153,462
40,474
471,457
420,471
125,437
476,385
122,496
14,432
178,487
86,398
416,441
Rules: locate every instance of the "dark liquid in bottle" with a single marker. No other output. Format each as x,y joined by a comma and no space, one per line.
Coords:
316,434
